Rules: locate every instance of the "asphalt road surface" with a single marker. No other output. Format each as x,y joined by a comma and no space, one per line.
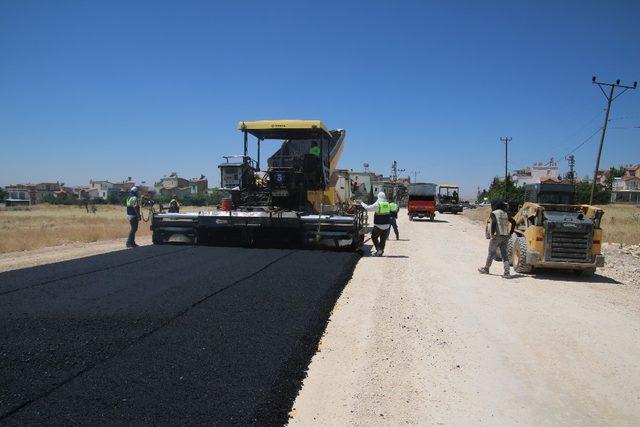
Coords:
164,335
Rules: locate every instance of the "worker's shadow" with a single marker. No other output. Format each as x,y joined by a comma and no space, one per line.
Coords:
367,250
512,276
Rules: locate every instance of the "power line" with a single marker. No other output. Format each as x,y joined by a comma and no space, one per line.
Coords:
587,139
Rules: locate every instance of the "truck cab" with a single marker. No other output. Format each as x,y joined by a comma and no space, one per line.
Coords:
422,201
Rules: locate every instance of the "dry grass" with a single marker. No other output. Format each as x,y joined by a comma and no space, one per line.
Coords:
49,225
620,224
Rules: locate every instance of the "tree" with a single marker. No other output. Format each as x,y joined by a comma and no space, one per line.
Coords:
61,199
602,195
496,191
195,199
117,198
3,195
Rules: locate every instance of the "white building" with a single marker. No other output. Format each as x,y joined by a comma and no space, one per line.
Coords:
102,187
536,173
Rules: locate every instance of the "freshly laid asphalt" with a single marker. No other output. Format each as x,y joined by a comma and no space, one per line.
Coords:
164,335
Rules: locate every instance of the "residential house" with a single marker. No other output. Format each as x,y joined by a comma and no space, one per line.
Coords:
361,185
199,185
124,186
536,173
171,181
20,195
631,182
181,187
87,193
104,188
626,189
180,192
631,170
46,189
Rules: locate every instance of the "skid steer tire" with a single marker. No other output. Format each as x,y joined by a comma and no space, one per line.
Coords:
520,256
510,245
585,273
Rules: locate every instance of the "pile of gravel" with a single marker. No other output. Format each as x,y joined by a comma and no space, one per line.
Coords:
622,263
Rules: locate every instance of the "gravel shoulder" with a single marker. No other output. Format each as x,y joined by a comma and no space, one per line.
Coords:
419,337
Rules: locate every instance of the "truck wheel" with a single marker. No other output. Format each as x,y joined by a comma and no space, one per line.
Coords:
520,256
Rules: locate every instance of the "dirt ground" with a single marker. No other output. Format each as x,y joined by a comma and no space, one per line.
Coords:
419,337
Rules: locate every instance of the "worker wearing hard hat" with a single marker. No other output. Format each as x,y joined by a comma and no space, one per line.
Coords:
133,213
174,206
502,226
393,219
381,222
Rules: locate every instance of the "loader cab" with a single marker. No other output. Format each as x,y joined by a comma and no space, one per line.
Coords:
549,194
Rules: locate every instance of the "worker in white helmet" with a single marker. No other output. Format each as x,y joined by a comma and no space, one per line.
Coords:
381,222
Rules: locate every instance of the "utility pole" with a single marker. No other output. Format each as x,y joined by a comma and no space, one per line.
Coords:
610,99
415,176
572,174
506,140
572,166
394,177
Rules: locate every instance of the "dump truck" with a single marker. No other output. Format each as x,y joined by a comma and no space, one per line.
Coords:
449,199
293,202
422,201
553,232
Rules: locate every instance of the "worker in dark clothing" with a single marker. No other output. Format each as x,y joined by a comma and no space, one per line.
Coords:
502,227
315,150
393,219
133,214
174,206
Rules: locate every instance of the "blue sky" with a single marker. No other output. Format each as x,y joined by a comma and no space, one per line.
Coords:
112,89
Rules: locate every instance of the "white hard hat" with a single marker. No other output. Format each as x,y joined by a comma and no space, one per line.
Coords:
382,196
134,189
